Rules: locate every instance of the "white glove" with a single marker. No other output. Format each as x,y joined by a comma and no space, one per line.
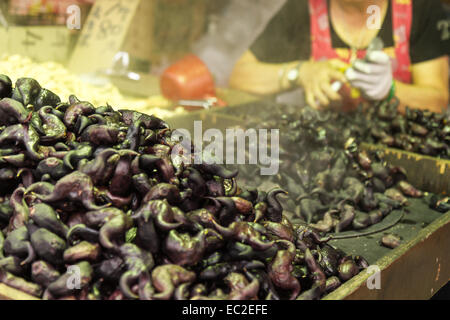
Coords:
372,76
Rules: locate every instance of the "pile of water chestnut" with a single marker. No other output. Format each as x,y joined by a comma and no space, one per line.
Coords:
333,184
418,131
94,206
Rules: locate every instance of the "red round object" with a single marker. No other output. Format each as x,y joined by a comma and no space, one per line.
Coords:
189,79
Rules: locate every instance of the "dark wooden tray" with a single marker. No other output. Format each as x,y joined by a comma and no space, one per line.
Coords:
421,265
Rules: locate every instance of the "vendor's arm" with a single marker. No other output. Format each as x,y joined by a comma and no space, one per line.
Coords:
430,89
276,49
257,77
283,44
429,50
251,75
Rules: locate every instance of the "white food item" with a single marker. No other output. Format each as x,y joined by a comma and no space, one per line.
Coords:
55,77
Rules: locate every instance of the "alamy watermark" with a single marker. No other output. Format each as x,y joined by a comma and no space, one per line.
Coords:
374,280
213,147
74,280
374,20
73,21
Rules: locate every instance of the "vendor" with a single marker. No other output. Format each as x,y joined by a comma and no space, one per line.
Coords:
317,42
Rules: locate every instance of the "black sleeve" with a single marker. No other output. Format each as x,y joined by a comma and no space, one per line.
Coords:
286,37
428,39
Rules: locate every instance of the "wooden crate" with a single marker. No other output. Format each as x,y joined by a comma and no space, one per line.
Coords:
415,270
427,173
421,265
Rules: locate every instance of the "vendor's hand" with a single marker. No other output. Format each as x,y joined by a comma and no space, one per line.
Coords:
316,79
373,76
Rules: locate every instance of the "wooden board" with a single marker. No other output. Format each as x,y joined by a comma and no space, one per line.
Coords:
427,173
40,43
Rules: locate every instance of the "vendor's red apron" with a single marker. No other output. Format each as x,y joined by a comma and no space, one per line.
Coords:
322,49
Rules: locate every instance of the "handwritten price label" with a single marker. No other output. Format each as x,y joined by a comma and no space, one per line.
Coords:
102,35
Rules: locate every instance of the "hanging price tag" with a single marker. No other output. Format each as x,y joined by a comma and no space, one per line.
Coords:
103,35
